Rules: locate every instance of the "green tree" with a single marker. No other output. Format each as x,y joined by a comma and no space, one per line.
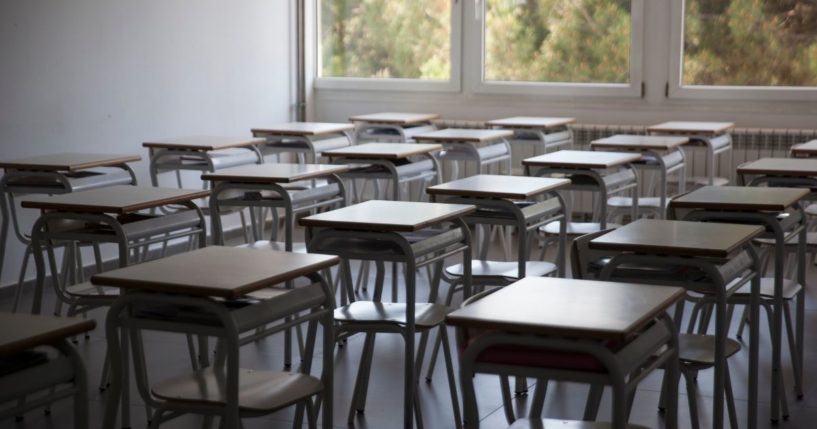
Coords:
750,42
558,41
386,38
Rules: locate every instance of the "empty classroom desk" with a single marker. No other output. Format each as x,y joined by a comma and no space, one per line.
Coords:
392,126
525,203
572,322
208,292
804,150
27,372
604,172
58,173
710,258
401,163
307,140
287,186
200,153
483,147
778,210
416,234
110,215
787,172
713,135
545,134
659,153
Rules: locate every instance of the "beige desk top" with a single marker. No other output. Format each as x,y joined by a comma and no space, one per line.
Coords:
274,173
113,199
531,122
463,135
740,198
808,148
634,142
383,150
495,186
203,143
799,167
24,331
395,118
680,238
395,216
226,272
568,308
67,161
692,127
582,159
303,129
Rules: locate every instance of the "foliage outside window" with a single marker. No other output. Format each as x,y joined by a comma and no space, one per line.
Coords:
569,41
386,39
750,43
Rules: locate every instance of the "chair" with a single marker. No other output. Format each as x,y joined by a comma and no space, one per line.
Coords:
696,351
223,390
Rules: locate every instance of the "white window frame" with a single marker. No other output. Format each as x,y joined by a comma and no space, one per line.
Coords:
453,84
474,22
719,92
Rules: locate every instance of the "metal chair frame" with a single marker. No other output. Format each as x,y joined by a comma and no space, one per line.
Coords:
226,324
384,247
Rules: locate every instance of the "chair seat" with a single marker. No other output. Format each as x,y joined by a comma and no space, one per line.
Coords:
87,290
811,210
486,152
77,181
298,145
564,424
576,228
226,158
701,180
406,170
258,391
700,349
425,314
790,288
502,269
791,243
626,202
278,246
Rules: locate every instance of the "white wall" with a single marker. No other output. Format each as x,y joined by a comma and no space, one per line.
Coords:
338,105
106,75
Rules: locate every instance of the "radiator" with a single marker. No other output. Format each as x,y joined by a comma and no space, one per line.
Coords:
747,144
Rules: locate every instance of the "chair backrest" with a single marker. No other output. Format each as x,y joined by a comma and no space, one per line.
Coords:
581,256
674,213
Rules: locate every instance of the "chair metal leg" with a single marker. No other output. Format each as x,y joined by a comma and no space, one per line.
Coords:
452,383
591,407
507,400
538,402
358,403
18,290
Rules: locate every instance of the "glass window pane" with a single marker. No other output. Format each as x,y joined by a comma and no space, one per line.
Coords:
750,42
386,39
578,41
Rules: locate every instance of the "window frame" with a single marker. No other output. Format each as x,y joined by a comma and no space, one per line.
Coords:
453,84
677,89
475,31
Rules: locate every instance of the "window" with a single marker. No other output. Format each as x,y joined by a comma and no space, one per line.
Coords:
590,47
747,45
558,41
387,43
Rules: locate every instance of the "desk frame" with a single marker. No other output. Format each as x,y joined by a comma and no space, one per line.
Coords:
231,323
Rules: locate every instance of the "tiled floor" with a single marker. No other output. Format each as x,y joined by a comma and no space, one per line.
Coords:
384,407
